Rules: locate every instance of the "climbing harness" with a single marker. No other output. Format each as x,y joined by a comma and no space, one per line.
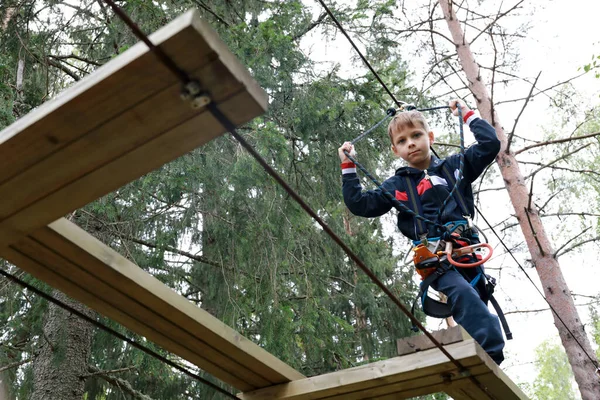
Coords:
434,256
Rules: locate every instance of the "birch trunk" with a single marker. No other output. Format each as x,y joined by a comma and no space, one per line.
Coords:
542,253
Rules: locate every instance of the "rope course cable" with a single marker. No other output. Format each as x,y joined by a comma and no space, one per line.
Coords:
434,108
228,125
594,363
107,329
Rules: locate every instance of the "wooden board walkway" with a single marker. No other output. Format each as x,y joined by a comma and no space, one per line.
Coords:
403,377
73,261
120,123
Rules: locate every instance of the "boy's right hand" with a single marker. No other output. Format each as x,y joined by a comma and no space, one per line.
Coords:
349,147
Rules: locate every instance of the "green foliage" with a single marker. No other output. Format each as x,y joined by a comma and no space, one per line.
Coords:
593,66
555,377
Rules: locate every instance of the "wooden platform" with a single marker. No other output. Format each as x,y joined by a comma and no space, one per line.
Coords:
73,261
404,377
117,124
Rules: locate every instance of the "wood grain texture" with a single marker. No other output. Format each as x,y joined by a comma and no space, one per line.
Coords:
402,377
118,124
421,342
73,261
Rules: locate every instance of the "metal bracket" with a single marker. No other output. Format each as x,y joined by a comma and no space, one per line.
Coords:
193,92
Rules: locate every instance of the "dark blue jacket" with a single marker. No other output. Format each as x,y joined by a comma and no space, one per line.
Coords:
432,192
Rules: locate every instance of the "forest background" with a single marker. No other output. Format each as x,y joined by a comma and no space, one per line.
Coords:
215,228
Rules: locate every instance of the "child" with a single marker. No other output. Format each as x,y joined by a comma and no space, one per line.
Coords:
411,140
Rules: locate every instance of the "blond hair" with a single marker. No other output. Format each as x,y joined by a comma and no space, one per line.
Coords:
407,119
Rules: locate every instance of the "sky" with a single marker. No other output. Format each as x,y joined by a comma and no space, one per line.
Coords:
563,37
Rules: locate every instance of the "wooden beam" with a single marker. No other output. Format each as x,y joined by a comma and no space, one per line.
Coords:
116,125
403,377
421,342
76,263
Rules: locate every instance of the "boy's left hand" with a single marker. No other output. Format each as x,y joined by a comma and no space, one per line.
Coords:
454,107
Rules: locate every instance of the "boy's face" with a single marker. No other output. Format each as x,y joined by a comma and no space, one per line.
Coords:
411,143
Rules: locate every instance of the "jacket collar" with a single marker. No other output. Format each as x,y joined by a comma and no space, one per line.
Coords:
433,164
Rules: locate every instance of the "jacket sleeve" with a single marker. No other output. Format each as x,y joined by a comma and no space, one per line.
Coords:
481,154
370,203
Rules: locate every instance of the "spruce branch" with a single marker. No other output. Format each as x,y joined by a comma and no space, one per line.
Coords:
14,365
122,384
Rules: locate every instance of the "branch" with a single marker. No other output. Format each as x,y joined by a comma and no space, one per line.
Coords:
310,27
14,365
567,214
578,245
496,20
85,60
557,160
510,135
112,371
546,309
120,383
564,140
534,233
63,69
570,240
211,12
174,250
579,171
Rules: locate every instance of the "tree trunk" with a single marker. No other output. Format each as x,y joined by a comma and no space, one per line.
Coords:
542,254
63,356
7,17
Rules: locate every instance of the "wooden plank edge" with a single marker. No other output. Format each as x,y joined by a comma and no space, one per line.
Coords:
230,60
370,375
86,155
71,289
208,327
164,148
133,311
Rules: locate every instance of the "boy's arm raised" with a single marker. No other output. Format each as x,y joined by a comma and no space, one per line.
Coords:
481,154
371,203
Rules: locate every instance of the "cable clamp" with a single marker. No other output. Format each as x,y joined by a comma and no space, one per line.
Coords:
408,107
193,92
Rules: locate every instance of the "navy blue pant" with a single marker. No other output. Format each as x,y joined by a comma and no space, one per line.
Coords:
472,313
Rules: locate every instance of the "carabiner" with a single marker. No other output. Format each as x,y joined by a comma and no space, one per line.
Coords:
449,252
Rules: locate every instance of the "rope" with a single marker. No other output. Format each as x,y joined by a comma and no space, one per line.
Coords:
594,363
105,328
389,113
227,124
461,156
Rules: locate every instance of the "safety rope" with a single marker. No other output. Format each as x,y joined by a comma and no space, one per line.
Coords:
118,335
395,202
461,156
229,126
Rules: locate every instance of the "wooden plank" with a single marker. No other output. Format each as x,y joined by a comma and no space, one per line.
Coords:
116,173
78,264
402,377
421,342
44,273
124,116
73,280
413,386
